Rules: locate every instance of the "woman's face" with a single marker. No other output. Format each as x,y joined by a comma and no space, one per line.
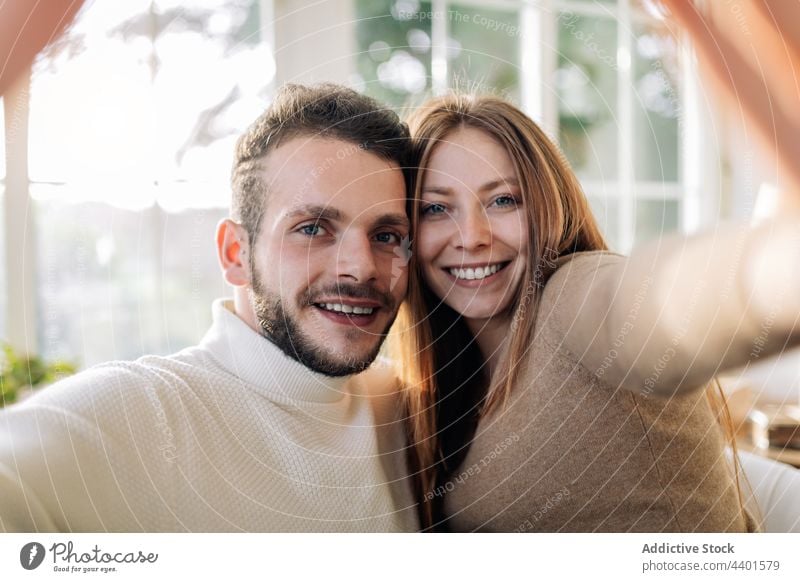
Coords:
472,239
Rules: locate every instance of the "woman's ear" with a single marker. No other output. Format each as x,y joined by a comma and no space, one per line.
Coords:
232,249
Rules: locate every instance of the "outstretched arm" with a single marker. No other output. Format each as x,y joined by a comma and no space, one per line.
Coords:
752,57
680,310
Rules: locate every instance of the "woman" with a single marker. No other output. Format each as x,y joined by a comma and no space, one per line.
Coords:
553,385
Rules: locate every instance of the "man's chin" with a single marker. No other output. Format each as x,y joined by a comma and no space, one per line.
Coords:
336,352
337,364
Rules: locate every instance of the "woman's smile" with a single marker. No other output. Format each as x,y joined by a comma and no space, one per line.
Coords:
477,275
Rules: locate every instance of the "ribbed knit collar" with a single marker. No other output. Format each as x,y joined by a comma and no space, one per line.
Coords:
259,362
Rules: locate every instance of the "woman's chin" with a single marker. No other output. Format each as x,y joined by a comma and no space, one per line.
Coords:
475,312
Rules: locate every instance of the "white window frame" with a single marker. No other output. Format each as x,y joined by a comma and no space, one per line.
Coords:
19,228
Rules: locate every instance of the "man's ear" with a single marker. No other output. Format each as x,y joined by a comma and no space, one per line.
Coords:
232,249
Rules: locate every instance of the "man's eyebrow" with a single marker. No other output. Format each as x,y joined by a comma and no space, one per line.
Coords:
400,220
315,211
445,191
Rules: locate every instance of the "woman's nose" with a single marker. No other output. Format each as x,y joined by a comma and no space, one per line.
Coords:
475,231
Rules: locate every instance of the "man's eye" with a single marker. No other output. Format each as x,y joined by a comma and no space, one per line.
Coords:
433,209
312,229
388,238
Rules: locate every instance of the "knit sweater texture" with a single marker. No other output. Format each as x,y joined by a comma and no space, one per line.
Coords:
230,435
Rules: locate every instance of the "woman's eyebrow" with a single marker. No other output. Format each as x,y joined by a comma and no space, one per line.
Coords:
510,181
445,191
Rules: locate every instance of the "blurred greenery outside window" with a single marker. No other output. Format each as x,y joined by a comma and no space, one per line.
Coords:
396,50
594,88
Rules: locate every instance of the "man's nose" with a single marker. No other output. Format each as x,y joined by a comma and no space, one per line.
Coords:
355,258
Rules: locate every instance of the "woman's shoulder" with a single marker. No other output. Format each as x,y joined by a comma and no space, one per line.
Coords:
574,273
586,259
578,290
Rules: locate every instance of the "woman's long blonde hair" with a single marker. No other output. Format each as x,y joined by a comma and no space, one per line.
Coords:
441,364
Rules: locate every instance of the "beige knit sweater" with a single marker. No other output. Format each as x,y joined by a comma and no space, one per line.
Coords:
606,430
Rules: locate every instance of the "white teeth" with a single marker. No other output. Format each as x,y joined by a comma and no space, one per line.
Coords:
479,273
347,308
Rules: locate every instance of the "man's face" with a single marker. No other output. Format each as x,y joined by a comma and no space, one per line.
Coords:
328,267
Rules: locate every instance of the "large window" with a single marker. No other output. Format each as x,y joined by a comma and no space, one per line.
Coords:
394,49
616,107
408,47
133,118
134,113
599,76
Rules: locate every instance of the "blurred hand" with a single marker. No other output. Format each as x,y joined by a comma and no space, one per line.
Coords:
25,29
751,48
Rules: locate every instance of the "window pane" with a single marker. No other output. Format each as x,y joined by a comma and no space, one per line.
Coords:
586,83
3,274
656,106
2,140
3,290
394,49
147,92
83,297
483,50
606,212
655,218
117,284
189,277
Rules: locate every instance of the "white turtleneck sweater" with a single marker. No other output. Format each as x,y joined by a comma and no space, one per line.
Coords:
230,435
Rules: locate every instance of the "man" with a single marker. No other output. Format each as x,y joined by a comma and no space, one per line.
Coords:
267,424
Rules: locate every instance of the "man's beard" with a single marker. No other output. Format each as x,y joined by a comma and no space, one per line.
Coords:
280,328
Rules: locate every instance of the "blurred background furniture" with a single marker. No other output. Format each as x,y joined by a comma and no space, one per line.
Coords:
772,493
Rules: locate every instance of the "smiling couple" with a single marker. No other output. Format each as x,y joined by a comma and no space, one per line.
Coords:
506,388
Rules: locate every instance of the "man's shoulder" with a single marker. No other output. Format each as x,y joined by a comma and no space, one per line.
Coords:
124,383
380,379
382,388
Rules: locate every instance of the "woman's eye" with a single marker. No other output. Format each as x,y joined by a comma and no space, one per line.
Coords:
433,209
312,229
505,200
